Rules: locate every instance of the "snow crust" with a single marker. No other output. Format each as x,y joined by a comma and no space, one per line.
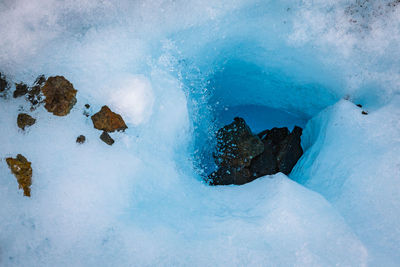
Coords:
171,69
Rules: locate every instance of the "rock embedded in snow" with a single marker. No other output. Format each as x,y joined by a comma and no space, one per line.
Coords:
280,152
25,120
22,170
20,89
106,138
236,145
81,139
3,83
34,95
290,151
60,95
108,121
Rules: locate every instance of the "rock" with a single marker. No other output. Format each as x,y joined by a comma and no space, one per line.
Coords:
290,151
25,120
4,86
106,138
87,106
21,89
364,112
240,159
108,121
359,105
60,95
34,94
81,139
236,145
22,170
265,163
226,176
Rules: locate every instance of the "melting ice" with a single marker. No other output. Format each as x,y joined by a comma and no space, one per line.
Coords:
174,70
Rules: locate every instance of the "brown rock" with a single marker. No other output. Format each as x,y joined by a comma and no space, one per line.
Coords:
20,90
25,120
81,139
22,170
108,121
106,138
60,95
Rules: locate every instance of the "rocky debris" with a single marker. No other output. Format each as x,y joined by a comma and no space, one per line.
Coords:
4,85
86,112
22,170
34,95
108,121
106,138
364,112
25,120
81,139
21,89
359,105
60,95
240,159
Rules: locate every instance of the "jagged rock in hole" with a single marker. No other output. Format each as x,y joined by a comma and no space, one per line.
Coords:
290,151
22,170
236,145
60,95
280,152
25,120
108,121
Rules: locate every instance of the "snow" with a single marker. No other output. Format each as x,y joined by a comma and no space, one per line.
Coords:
176,71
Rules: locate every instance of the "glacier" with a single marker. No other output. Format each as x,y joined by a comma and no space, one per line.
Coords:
176,71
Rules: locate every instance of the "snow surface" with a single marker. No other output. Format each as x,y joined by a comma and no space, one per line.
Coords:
175,70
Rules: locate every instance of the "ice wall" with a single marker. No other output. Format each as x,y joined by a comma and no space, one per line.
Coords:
167,67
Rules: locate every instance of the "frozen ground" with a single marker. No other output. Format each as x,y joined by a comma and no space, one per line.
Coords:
176,70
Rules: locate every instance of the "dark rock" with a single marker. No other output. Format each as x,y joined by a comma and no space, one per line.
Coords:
34,95
60,95
236,145
108,121
266,163
22,170
106,138
364,112
25,120
290,151
40,80
81,139
4,85
359,105
226,176
21,89
87,106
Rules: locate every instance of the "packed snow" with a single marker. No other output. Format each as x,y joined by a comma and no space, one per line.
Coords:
176,71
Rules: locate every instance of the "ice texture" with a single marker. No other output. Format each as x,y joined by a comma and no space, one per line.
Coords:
175,70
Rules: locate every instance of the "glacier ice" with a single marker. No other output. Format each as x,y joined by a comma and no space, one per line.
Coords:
177,70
